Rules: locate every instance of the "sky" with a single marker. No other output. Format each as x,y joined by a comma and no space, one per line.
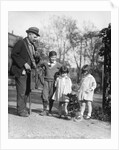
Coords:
20,21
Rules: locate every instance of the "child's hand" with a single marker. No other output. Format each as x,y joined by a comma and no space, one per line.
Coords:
89,90
27,67
73,92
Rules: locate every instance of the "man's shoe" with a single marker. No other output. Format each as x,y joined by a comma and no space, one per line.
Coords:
24,113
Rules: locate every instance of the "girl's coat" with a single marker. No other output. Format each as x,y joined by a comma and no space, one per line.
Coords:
87,86
63,87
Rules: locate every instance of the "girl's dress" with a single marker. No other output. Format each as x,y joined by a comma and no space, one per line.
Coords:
63,87
87,86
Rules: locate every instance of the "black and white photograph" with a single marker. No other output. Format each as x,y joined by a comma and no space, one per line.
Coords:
59,75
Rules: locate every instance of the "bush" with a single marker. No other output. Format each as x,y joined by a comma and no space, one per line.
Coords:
105,51
74,105
98,113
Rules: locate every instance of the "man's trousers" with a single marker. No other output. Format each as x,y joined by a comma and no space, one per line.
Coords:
23,89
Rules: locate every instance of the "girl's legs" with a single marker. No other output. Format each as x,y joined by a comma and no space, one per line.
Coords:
89,104
83,106
65,108
60,108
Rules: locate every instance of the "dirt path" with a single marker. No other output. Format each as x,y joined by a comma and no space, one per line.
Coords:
42,127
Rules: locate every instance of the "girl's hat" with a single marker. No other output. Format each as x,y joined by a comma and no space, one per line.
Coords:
52,53
64,69
85,68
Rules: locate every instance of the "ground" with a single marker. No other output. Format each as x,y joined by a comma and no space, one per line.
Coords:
42,127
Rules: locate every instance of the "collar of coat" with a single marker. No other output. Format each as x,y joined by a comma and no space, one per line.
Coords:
87,76
66,77
28,41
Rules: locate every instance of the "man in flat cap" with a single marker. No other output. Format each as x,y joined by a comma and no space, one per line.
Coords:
23,56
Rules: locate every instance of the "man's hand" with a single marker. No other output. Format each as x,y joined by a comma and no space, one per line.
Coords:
27,67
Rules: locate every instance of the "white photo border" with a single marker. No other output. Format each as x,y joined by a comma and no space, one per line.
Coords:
6,143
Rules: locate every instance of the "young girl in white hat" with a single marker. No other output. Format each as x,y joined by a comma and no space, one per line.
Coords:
86,91
63,87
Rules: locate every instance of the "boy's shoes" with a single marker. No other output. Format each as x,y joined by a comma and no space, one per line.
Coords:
44,113
23,113
67,117
60,116
88,117
49,113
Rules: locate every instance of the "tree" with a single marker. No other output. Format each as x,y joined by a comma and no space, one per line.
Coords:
105,51
92,46
57,37
86,45
62,29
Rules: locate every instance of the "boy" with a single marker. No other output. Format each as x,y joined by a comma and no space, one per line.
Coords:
50,69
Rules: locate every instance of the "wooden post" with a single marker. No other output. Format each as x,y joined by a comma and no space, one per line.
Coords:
30,103
30,93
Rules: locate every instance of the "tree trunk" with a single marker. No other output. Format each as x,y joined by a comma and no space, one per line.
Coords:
80,59
64,52
85,51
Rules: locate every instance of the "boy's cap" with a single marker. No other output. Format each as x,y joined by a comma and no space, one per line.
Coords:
52,53
34,30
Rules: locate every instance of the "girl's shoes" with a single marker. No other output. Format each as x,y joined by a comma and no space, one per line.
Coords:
88,117
79,117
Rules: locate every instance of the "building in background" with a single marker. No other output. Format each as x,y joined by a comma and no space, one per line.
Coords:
12,39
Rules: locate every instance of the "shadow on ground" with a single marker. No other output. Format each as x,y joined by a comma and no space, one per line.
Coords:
12,110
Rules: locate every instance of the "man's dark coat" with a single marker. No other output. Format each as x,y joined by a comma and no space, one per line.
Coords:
20,56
